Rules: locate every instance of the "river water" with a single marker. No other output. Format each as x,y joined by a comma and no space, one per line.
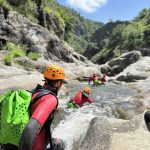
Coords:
111,100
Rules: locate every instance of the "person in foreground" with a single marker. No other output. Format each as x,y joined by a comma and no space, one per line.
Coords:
37,135
80,98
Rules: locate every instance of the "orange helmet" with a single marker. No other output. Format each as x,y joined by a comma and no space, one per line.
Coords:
54,72
87,90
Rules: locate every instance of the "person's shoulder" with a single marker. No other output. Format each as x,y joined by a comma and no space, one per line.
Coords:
49,99
49,96
78,93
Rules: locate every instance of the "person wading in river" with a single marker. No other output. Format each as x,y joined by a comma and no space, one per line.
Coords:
80,98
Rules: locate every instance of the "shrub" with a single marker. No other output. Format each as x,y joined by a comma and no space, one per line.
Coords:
13,52
8,59
33,55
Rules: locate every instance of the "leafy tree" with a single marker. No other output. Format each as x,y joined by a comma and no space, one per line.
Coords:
143,15
147,36
133,35
116,38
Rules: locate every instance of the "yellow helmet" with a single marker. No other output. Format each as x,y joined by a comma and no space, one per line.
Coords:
87,90
54,72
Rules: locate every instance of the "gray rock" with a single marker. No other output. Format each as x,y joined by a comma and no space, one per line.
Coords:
35,38
137,71
119,64
97,137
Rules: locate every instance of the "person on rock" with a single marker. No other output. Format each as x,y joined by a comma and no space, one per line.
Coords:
80,98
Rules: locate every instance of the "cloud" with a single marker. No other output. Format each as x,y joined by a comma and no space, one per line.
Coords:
87,5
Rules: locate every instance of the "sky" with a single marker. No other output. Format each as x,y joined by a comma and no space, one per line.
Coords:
106,10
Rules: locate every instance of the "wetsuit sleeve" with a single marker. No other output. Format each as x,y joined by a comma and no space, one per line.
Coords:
29,134
46,106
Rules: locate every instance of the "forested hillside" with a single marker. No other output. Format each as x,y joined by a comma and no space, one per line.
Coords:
115,38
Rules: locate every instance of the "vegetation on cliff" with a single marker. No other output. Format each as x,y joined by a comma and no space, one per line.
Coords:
65,22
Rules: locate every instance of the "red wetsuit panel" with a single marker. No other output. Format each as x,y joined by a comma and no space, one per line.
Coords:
80,100
40,111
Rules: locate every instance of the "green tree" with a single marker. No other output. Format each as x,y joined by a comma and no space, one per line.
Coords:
133,35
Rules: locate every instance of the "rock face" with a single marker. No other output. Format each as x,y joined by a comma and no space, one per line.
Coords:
136,71
113,134
129,67
35,38
12,77
142,100
119,64
97,136
131,139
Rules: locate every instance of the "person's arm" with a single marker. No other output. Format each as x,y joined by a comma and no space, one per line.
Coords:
29,134
46,106
71,100
90,100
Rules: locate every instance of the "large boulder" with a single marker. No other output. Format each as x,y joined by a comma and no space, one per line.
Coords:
97,136
117,65
142,100
116,134
137,71
145,51
14,78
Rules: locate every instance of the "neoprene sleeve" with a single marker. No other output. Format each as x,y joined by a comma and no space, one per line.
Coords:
29,134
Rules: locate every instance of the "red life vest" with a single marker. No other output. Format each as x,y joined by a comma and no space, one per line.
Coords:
79,99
